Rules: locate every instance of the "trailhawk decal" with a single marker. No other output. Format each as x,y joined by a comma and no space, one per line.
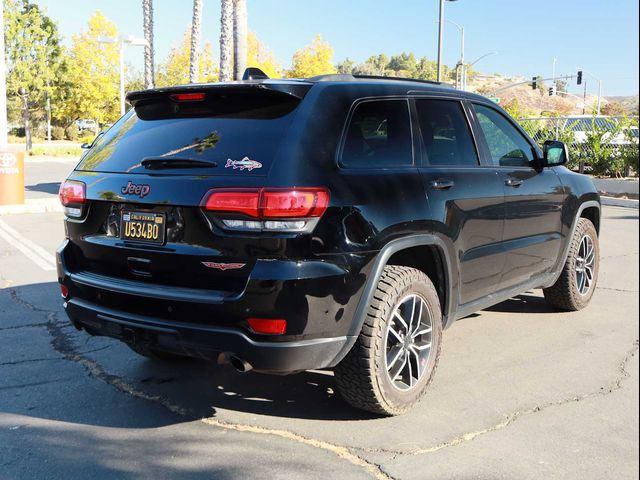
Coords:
245,164
224,266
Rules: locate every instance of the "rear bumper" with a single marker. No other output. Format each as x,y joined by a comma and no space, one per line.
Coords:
318,307
205,341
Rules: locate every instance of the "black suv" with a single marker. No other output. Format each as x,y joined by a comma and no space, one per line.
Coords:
337,223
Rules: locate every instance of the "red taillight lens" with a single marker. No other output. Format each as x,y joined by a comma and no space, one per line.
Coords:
233,201
64,291
188,97
299,203
271,326
72,192
269,203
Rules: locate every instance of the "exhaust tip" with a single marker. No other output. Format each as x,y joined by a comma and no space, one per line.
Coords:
240,365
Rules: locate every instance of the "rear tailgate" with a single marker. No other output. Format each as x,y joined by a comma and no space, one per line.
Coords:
228,139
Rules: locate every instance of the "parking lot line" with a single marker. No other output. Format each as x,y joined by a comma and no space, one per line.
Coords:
33,252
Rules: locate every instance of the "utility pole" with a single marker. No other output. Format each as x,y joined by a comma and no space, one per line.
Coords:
584,97
440,33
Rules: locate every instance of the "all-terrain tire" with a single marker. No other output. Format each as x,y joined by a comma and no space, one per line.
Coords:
565,293
361,376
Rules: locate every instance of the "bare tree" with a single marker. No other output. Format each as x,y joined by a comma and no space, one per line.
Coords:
240,38
195,41
147,20
226,40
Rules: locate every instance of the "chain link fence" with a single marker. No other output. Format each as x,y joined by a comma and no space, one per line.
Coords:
600,145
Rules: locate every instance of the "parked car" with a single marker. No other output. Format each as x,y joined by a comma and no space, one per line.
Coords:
338,222
86,125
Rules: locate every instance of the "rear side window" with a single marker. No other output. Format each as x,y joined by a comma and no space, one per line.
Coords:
226,129
446,138
378,135
508,147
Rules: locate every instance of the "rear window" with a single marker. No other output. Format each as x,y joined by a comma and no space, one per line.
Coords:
229,129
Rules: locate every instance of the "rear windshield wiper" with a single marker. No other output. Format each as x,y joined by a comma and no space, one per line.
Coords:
160,163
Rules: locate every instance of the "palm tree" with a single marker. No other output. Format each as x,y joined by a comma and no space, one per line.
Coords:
240,37
195,41
226,40
147,20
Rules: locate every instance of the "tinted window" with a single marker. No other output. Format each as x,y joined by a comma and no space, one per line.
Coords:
378,135
225,127
446,138
507,145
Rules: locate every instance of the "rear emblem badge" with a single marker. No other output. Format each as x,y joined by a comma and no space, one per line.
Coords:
132,189
244,164
224,266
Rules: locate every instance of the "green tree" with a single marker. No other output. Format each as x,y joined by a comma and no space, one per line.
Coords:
314,59
426,69
346,66
94,75
403,65
175,69
34,59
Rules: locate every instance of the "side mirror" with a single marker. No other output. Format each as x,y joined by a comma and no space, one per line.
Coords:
87,146
555,153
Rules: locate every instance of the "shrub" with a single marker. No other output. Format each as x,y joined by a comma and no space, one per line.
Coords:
71,133
57,133
64,151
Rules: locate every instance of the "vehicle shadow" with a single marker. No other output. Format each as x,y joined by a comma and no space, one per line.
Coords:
525,303
194,388
49,187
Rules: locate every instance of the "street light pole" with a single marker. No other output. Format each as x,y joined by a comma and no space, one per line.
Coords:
440,32
121,77
121,41
440,35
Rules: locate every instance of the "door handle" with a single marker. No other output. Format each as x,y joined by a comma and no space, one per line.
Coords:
441,184
513,182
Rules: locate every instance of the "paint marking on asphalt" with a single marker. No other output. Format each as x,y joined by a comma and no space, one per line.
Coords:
33,252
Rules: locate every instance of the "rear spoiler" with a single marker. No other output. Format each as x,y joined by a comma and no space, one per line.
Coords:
291,88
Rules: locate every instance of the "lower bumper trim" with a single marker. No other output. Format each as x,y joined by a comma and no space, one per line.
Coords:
203,341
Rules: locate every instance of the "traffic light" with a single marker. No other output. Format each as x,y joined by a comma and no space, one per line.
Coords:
553,90
579,79
534,83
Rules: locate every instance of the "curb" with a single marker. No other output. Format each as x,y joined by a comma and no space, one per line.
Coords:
37,205
619,202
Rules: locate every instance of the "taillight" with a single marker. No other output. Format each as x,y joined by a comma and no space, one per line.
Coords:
270,209
72,196
64,291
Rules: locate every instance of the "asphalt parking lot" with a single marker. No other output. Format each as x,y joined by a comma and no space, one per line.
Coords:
521,392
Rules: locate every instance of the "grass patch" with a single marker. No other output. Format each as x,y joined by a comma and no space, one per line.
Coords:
70,151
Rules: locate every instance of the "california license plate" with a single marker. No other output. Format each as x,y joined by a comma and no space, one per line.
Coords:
143,227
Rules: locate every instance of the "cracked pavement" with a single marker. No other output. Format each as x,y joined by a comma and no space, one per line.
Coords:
521,392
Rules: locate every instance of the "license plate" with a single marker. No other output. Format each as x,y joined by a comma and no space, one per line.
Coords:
143,227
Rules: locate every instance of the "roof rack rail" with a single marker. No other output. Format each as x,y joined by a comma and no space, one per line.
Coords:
405,79
347,77
332,77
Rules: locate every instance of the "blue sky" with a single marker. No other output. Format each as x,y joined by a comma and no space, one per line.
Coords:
597,35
